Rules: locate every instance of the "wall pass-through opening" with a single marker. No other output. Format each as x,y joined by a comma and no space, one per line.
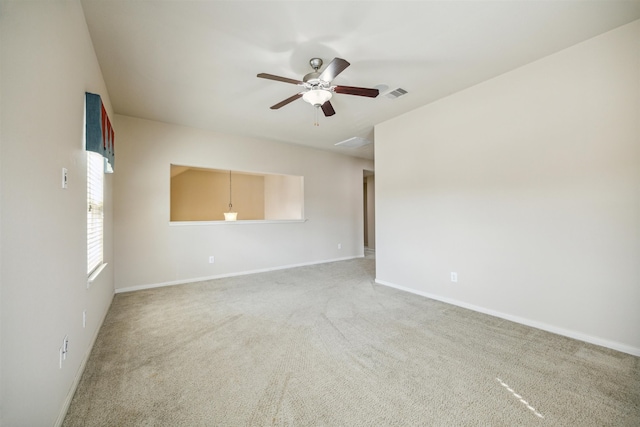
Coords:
203,194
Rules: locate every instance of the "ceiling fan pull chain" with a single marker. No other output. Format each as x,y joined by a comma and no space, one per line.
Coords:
315,122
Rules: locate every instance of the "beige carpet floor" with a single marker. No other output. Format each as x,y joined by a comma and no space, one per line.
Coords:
325,346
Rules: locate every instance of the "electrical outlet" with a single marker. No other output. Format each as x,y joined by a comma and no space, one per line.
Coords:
454,277
211,259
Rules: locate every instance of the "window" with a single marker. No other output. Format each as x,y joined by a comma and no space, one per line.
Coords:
95,211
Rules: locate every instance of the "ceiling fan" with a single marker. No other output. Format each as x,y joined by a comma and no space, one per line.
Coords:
317,86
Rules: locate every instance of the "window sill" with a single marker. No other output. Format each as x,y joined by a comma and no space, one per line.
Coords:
240,221
93,276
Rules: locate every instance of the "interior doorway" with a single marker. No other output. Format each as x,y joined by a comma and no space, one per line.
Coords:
369,211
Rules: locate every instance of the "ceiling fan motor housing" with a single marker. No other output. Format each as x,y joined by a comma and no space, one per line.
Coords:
313,79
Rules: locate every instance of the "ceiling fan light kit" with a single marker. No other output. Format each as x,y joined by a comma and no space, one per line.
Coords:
317,86
317,97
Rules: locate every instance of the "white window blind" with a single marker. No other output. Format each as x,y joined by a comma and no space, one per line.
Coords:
95,214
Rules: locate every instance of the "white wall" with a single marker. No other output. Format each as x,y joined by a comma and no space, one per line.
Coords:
48,63
371,211
149,251
283,197
527,186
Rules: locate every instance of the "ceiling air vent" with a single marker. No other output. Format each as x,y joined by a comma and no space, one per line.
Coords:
354,142
396,93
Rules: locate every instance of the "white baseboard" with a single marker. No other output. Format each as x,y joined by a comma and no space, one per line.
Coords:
634,351
76,380
222,276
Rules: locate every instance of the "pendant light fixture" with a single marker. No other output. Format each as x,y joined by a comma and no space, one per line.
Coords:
230,216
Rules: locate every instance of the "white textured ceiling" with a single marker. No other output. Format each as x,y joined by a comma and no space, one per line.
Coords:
194,63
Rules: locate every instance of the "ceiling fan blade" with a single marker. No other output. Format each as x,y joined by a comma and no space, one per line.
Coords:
286,101
279,79
334,68
327,109
360,91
